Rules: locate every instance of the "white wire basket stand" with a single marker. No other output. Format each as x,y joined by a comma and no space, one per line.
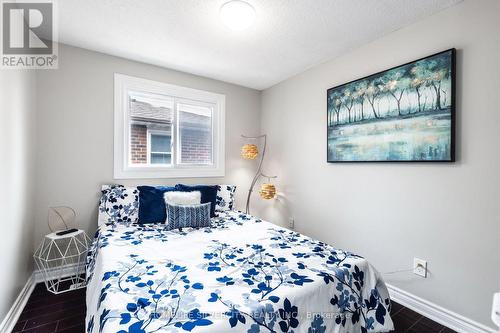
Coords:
61,260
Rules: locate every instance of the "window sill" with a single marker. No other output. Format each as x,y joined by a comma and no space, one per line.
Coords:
149,172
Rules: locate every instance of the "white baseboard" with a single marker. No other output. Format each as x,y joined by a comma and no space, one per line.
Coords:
12,316
437,313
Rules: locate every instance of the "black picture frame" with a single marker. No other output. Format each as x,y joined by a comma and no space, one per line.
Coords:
452,111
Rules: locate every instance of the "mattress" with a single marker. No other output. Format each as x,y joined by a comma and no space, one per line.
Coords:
242,274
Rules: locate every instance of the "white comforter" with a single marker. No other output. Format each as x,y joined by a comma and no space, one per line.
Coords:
241,275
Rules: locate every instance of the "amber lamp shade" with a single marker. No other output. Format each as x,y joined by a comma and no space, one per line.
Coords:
249,151
267,191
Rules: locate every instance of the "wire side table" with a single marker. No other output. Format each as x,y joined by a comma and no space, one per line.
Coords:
61,259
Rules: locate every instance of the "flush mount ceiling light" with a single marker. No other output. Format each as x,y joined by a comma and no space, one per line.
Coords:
237,15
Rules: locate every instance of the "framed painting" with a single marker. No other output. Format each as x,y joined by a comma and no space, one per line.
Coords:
403,114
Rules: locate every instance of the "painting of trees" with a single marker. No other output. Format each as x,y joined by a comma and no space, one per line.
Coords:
423,88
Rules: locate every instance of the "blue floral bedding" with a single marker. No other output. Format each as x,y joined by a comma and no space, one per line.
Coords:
240,275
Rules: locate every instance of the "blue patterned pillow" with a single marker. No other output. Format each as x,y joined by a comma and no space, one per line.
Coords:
185,216
118,204
225,197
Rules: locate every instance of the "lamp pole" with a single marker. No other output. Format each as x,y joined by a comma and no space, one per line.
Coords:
259,169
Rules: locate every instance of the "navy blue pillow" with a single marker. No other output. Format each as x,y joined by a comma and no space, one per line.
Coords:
208,194
151,204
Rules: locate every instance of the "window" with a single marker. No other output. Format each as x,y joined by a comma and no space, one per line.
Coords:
167,131
160,147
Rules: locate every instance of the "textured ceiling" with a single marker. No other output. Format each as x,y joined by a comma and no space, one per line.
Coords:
289,36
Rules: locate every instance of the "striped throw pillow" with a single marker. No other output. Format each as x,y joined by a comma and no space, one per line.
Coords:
188,216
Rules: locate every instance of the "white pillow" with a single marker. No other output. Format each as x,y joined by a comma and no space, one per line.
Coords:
182,198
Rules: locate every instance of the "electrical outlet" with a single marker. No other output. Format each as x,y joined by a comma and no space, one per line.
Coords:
291,222
420,267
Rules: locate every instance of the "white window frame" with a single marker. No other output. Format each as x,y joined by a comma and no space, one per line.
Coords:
123,169
149,151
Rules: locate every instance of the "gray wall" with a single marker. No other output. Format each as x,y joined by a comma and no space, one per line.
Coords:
445,213
75,131
17,114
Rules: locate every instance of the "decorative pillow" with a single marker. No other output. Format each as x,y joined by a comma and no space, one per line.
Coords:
185,216
208,194
151,204
225,197
118,204
182,198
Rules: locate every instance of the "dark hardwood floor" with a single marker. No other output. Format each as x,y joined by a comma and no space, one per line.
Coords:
49,313
408,321
46,312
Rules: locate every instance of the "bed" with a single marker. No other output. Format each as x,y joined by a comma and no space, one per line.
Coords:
242,274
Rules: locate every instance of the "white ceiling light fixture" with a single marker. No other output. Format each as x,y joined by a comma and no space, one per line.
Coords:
237,15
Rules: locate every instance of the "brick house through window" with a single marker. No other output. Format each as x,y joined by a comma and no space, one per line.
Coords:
151,131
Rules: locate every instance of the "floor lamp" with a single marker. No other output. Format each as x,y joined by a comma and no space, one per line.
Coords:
250,151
